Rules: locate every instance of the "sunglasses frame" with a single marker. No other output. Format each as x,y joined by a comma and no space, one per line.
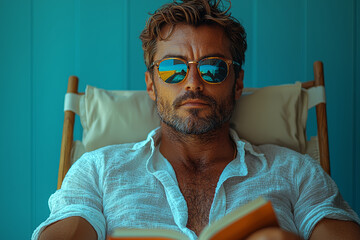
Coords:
227,61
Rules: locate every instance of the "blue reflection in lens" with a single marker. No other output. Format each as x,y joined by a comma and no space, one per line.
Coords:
172,70
213,70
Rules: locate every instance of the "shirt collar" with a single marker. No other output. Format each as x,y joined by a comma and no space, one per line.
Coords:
245,144
237,167
153,139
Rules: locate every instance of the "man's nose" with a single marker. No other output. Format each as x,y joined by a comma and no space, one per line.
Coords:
194,81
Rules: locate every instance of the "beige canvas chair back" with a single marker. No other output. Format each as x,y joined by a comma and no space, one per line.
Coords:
269,115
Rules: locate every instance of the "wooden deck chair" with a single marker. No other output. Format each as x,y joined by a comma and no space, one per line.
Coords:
128,116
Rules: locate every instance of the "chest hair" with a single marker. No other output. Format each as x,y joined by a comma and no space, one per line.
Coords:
198,191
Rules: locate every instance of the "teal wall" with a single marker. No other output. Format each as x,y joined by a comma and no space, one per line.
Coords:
42,42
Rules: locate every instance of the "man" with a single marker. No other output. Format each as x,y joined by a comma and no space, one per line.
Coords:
194,169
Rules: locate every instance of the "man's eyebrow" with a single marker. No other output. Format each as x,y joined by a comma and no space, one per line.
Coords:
213,55
173,56
202,57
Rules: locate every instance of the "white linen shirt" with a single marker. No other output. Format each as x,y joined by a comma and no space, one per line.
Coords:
134,186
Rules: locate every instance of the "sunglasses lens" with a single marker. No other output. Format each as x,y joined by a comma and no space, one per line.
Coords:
213,70
172,70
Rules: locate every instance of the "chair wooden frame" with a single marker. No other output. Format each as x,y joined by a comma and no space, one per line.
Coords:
67,135
69,120
321,117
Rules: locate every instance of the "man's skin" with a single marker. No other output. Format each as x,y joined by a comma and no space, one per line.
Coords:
196,157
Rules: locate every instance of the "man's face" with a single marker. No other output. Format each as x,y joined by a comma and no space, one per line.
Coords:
194,106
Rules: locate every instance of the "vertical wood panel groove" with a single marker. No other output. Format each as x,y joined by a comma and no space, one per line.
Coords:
356,89
306,41
77,37
127,45
77,62
354,105
32,151
255,44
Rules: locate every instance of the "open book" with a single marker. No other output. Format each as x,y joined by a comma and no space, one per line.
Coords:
238,224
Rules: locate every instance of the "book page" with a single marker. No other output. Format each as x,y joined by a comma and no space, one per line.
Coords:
146,234
242,221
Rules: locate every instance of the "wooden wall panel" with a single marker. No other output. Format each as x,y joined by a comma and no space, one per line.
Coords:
52,63
245,12
356,158
138,14
15,119
280,42
102,34
330,38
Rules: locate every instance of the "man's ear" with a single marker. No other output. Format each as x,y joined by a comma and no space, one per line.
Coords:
239,85
150,88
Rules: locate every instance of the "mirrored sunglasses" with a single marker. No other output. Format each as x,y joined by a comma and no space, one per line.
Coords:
213,70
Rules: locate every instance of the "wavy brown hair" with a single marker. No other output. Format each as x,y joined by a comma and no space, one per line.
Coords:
195,13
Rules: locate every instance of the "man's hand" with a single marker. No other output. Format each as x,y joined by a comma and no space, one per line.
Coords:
273,233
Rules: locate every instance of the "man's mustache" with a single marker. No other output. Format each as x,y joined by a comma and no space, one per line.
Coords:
193,95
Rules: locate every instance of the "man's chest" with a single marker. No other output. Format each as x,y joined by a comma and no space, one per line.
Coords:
143,205
198,193
151,203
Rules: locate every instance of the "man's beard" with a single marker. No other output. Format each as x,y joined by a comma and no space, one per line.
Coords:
220,113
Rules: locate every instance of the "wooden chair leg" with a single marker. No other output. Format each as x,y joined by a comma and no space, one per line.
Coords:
67,137
322,120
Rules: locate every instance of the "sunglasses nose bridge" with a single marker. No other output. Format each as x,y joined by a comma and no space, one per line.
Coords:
194,80
192,62
196,65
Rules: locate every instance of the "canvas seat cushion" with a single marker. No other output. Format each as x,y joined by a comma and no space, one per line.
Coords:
275,114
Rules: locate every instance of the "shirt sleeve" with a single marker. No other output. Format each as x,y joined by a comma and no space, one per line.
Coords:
80,195
318,198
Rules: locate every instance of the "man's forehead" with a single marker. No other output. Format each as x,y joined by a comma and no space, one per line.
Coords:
188,41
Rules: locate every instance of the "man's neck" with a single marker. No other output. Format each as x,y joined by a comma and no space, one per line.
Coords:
197,152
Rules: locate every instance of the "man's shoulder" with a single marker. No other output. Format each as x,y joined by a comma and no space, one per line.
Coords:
118,154
272,152
277,150
281,155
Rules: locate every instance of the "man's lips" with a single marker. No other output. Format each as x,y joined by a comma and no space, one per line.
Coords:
194,99
194,103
